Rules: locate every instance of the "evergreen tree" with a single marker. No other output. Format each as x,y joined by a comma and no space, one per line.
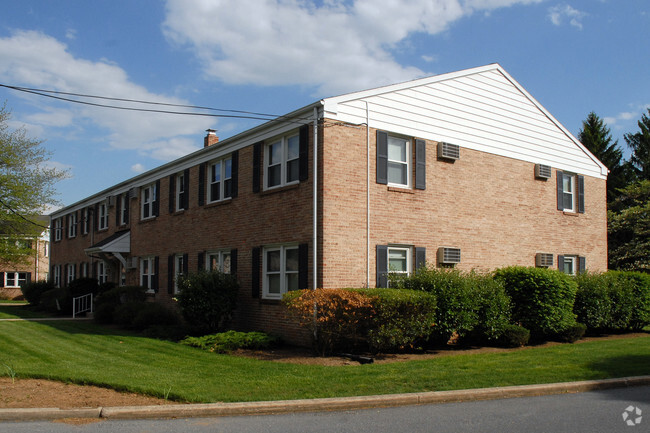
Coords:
640,144
596,137
629,228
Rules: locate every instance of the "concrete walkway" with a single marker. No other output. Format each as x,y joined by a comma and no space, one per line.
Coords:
319,404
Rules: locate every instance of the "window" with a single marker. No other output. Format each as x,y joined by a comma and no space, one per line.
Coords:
122,209
70,273
15,279
83,270
148,267
397,260
220,261
57,229
46,249
102,216
148,198
399,151
85,221
56,270
72,225
220,180
180,192
571,264
281,271
179,267
102,272
570,192
282,161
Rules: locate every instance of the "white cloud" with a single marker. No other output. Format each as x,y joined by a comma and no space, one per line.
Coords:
337,46
138,168
558,14
71,34
33,59
627,119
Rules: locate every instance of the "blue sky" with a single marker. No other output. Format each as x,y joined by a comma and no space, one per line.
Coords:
274,56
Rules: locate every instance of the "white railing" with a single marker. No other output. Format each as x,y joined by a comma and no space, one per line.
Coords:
81,304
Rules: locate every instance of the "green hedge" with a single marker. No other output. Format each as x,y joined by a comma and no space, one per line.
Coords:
34,290
542,299
229,341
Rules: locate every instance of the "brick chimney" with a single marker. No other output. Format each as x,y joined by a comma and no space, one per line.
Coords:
210,138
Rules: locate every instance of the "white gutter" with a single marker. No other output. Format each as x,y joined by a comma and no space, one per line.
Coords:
367,195
315,180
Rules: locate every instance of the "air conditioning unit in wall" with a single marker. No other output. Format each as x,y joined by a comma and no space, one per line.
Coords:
134,192
110,200
544,260
132,263
542,171
448,151
448,255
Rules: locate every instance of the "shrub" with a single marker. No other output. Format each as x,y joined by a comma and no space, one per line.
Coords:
493,308
103,313
106,304
594,300
207,300
57,301
542,299
124,314
83,286
403,319
32,291
337,318
232,340
572,334
636,286
513,336
153,314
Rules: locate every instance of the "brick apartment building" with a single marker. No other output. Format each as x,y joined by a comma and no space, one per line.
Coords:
463,169
36,267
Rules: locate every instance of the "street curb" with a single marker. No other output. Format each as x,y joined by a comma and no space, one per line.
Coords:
319,404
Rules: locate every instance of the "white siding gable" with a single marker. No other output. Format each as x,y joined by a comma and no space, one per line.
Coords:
482,109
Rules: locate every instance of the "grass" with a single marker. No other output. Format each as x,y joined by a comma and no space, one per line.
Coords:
20,311
85,353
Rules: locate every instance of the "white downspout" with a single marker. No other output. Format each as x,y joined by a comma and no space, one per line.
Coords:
315,180
367,195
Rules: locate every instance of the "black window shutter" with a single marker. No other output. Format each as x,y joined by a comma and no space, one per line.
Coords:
185,264
255,272
172,193
303,266
420,164
420,257
560,262
233,261
2,279
382,266
127,204
257,162
74,271
186,192
96,218
581,194
202,183
156,268
118,209
170,274
65,228
234,184
201,259
560,191
382,157
582,265
156,202
303,138
64,281
28,278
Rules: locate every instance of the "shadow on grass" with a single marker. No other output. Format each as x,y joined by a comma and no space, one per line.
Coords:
623,366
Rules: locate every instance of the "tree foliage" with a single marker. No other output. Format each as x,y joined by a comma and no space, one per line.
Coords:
629,228
26,188
639,143
596,137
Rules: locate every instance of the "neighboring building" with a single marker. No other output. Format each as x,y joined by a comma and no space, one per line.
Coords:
13,276
463,169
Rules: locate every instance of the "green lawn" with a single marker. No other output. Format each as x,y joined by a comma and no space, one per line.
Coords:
20,310
82,352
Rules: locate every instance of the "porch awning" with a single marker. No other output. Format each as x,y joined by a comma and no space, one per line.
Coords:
119,242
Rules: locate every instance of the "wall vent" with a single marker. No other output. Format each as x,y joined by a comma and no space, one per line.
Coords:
134,192
544,260
448,151
448,255
542,171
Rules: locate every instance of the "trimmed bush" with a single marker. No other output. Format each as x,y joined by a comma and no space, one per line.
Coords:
493,308
403,319
83,286
572,334
594,305
542,299
34,290
514,336
207,300
153,314
229,341
57,301
636,286
124,314
106,303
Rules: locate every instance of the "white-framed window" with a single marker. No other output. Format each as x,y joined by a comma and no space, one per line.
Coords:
58,229
282,161
102,272
281,270
568,192
83,270
147,273
102,219
220,180
147,198
179,265
399,260
72,225
399,161
56,270
46,249
180,192
569,265
14,279
70,273
219,260
85,220
123,207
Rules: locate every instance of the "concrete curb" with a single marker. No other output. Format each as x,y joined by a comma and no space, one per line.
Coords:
319,404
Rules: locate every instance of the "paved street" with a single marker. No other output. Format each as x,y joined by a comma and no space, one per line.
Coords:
592,412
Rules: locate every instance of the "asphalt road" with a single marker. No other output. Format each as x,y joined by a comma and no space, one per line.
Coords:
593,412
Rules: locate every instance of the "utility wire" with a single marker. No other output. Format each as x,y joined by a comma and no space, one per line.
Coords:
12,210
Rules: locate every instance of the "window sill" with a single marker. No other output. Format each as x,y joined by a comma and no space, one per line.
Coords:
147,220
403,190
270,301
218,203
573,214
280,188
